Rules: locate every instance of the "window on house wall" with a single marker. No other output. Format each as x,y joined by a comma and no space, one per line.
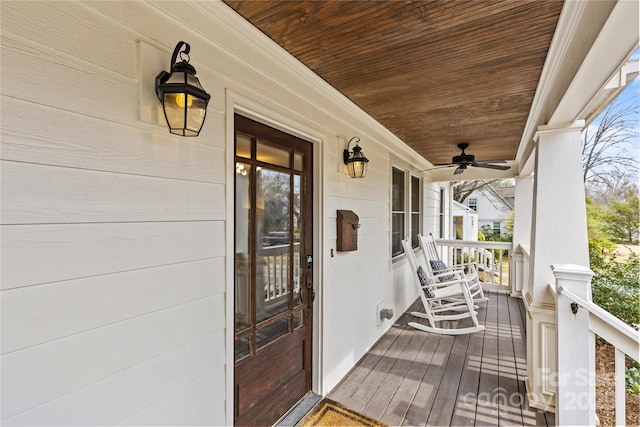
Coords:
441,221
415,211
406,210
473,203
458,225
496,228
398,207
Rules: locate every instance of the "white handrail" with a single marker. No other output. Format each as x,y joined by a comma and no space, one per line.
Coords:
486,244
624,338
631,348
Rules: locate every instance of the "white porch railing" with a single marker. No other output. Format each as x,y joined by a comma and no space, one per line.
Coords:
578,321
519,270
275,270
492,258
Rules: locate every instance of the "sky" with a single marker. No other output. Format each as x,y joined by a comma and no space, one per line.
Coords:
631,94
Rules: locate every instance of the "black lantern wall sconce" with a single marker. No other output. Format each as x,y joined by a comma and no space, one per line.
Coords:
183,99
355,160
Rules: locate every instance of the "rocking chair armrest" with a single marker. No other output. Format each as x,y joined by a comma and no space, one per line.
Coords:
439,285
454,287
444,273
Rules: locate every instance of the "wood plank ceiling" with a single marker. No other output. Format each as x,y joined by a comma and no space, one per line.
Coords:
434,72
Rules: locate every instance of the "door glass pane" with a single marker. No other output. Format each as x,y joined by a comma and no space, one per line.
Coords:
297,227
298,161
243,145
241,347
242,255
274,155
273,243
272,331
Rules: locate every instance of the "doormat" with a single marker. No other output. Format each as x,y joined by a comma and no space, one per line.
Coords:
328,413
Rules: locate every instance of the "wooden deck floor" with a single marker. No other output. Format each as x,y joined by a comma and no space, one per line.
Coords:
415,378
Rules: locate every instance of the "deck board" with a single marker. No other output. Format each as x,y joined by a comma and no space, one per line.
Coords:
465,410
400,402
415,378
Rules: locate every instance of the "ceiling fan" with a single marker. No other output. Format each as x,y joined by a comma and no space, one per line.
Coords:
465,160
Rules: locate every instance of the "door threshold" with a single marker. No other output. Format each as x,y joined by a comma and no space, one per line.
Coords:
299,410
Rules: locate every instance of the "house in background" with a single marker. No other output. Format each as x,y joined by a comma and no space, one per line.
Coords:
493,205
465,222
152,279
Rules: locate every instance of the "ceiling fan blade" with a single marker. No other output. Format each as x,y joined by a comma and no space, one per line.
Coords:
438,167
459,170
489,166
491,161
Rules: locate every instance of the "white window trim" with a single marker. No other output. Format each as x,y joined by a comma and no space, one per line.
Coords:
409,173
391,211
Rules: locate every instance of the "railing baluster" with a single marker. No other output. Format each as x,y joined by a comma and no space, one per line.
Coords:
279,282
620,388
487,255
277,263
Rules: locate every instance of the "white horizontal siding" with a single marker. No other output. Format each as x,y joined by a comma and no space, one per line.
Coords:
37,194
195,404
113,292
72,251
88,143
114,233
117,397
66,308
432,209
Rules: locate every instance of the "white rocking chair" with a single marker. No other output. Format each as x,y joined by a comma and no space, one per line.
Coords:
469,269
438,296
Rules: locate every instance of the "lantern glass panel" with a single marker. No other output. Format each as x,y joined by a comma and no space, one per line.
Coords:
193,81
357,169
197,109
176,78
173,111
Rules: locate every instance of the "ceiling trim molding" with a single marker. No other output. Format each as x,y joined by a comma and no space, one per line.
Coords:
566,30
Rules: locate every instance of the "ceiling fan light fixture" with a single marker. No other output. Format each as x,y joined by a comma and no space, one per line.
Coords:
464,160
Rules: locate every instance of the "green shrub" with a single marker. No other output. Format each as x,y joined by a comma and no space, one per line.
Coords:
616,288
615,285
633,380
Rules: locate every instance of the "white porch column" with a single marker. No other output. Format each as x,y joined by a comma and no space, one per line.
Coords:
522,211
558,236
575,344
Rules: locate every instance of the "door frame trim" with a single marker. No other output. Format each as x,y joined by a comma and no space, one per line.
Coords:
239,104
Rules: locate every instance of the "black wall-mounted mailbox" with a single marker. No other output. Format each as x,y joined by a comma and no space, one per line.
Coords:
347,231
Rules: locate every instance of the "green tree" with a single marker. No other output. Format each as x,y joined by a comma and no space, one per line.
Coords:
596,221
623,219
508,226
